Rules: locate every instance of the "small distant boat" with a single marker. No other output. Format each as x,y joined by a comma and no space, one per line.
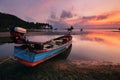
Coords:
34,53
118,28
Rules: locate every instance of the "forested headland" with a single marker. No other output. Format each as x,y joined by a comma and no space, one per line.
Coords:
8,20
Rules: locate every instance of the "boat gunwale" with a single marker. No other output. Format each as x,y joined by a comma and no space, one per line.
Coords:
44,50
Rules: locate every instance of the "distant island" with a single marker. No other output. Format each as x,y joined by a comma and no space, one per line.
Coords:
8,20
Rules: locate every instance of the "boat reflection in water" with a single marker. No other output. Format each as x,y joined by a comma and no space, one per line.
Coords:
64,55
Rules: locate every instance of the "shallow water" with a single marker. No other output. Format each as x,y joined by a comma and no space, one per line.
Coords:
102,45
6,49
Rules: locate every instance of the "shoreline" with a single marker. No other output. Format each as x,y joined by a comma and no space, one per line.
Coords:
7,34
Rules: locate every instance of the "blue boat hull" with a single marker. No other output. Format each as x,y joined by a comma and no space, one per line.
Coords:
30,57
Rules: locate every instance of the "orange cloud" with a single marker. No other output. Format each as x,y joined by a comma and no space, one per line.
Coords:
112,18
109,18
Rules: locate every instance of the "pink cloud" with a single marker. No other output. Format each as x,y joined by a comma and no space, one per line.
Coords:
108,19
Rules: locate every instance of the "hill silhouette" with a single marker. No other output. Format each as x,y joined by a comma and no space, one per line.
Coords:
8,20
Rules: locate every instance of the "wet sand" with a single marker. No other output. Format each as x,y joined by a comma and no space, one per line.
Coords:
60,70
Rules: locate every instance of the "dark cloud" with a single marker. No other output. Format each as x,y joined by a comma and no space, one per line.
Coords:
88,17
58,22
101,17
66,14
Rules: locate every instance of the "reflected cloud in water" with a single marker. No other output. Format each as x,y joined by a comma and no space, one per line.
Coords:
96,45
108,38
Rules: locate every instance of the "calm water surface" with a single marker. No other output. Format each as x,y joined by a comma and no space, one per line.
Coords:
103,46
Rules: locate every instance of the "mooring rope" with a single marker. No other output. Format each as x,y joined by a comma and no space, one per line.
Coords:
5,60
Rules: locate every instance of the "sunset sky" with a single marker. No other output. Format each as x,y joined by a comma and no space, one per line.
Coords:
62,13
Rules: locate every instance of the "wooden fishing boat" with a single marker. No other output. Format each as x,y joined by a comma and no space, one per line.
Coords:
33,53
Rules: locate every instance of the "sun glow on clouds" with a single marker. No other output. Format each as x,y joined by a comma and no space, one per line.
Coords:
111,18
64,12
103,19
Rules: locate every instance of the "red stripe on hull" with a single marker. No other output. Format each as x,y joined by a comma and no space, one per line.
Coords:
32,64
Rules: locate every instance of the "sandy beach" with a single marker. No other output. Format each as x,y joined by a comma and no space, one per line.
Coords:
61,70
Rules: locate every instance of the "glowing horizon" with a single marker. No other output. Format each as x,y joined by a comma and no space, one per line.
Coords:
99,13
